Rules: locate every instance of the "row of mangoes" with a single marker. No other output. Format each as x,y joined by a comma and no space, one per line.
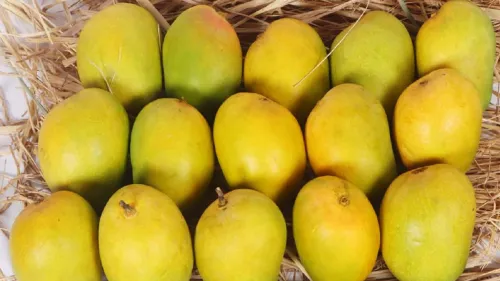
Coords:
259,145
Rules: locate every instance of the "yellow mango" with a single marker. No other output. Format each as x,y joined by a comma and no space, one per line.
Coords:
171,149
376,53
336,230
347,135
56,240
259,145
143,236
459,36
83,145
119,51
438,120
284,54
240,237
427,220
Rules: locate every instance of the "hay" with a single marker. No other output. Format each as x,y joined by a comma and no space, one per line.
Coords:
44,61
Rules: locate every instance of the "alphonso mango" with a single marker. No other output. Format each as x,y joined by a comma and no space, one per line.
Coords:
259,145
336,230
119,51
376,53
427,220
438,120
459,36
202,59
347,135
143,236
240,237
171,149
278,60
83,145
56,240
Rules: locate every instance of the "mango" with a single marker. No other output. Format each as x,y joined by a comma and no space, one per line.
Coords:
56,240
438,120
143,236
280,58
171,149
336,230
347,135
83,145
427,221
459,36
240,237
376,53
259,145
202,59
119,51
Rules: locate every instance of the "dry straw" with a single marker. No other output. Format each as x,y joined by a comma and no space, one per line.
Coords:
44,62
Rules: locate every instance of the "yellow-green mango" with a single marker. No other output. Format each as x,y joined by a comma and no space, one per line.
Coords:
83,146
240,237
143,236
56,240
259,145
171,149
459,36
438,120
376,53
202,59
347,135
119,51
336,230
284,54
427,220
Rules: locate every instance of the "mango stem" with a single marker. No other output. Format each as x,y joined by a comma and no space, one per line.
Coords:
220,195
129,210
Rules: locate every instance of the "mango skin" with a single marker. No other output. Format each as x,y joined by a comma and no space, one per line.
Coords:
56,240
119,51
153,244
427,221
336,230
378,55
347,135
243,241
459,36
202,59
438,120
280,57
171,149
259,145
83,145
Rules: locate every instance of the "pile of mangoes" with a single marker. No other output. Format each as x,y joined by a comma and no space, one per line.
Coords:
351,135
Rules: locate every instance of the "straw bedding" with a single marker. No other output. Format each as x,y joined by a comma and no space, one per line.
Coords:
44,62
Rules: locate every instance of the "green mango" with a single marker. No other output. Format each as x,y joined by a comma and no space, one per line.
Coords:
376,53
119,51
459,36
202,59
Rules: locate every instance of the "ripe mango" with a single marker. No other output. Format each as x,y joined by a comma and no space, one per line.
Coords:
347,135
119,51
427,221
459,36
376,53
240,237
259,145
56,240
336,230
284,54
83,145
143,236
202,59
171,149
438,120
